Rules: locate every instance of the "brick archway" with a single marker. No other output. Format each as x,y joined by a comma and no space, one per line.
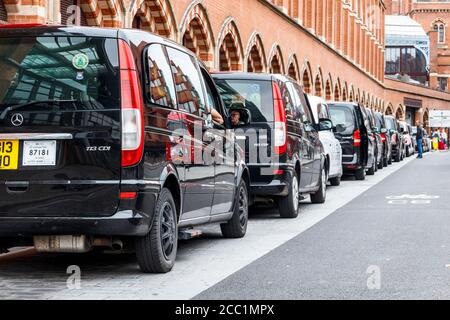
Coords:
328,92
156,16
256,58
344,94
337,92
351,95
399,114
102,13
197,35
276,62
389,110
293,70
307,77
230,47
318,85
426,118
306,82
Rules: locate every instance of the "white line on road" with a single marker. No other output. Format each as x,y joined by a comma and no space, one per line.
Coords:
204,262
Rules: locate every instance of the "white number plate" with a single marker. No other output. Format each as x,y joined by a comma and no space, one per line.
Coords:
39,153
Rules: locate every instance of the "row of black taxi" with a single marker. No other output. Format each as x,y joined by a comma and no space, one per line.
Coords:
118,138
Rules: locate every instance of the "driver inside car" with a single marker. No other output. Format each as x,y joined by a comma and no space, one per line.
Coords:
236,118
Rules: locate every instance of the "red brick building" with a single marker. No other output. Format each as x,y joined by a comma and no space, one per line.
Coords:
335,48
434,16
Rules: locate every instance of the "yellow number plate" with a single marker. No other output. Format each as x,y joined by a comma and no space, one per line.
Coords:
9,154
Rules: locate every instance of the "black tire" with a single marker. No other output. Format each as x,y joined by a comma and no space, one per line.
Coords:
390,160
360,174
155,255
236,227
336,181
288,205
398,156
381,164
373,169
321,195
385,162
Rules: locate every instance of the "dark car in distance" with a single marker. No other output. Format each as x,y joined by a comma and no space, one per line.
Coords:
353,130
396,138
283,151
408,141
98,158
376,133
385,138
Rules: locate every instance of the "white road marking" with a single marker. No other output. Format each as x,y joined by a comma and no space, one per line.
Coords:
202,263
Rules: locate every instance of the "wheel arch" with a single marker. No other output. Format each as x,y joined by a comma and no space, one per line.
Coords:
170,180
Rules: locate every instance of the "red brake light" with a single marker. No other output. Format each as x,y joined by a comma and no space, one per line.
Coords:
280,139
357,138
132,109
128,195
383,137
394,138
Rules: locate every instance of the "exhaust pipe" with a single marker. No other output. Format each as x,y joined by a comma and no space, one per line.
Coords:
74,244
117,244
62,244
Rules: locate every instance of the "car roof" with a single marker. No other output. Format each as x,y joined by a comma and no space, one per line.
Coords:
250,76
55,30
342,104
139,38
64,30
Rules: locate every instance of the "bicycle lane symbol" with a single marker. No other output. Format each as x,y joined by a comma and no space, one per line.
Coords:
411,199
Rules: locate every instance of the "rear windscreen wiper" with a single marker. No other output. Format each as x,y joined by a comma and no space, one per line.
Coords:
22,105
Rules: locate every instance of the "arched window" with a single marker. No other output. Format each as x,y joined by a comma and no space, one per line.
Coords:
440,28
441,34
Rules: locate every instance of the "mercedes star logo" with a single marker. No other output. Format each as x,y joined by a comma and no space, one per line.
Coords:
17,119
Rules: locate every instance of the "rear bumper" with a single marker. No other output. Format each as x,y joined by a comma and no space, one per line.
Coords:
351,168
351,163
275,188
278,186
123,223
395,149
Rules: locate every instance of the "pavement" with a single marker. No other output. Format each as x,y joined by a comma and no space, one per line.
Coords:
379,238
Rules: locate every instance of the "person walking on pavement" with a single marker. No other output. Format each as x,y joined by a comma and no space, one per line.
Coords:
419,139
444,137
435,137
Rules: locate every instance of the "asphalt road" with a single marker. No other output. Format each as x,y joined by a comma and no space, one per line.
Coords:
359,244
388,243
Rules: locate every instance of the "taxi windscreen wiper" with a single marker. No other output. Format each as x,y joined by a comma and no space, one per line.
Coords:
30,103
